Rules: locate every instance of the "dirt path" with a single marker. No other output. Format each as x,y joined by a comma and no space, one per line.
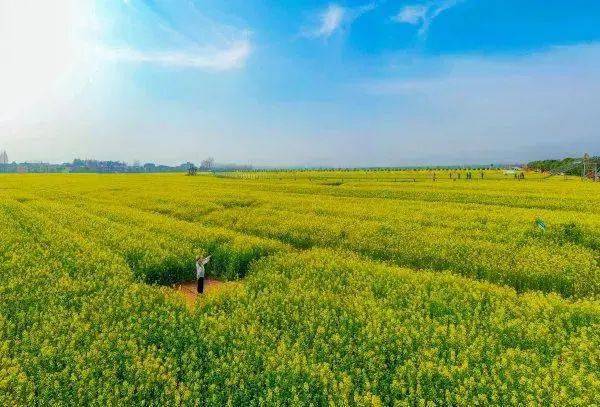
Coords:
188,289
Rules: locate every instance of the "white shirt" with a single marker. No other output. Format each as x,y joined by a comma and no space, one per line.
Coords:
200,267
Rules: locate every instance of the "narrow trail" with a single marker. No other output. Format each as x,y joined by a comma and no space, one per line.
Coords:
188,289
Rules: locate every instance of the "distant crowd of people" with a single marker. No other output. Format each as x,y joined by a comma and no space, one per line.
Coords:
469,175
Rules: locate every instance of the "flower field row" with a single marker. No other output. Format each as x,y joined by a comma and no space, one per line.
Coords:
157,252
495,240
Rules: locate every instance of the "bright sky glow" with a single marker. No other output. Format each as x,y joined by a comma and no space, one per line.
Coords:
351,83
38,50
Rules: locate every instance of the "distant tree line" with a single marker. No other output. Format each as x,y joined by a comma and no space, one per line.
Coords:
98,166
89,166
32,167
568,165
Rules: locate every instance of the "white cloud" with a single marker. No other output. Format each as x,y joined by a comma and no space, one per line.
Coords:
423,14
412,14
172,34
230,57
334,18
331,20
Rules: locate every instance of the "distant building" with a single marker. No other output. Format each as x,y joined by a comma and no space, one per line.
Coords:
3,157
97,166
512,170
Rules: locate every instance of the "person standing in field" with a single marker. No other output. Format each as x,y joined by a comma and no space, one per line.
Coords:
200,263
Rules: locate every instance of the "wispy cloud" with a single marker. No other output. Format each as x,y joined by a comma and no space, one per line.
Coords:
174,35
331,20
232,57
414,14
423,14
335,18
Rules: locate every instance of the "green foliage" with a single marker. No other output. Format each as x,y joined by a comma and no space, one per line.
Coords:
567,165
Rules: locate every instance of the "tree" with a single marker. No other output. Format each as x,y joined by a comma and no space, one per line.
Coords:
192,170
207,164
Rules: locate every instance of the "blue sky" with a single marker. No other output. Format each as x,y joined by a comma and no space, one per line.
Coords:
300,83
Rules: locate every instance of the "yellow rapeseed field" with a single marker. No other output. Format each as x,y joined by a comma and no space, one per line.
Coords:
355,288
